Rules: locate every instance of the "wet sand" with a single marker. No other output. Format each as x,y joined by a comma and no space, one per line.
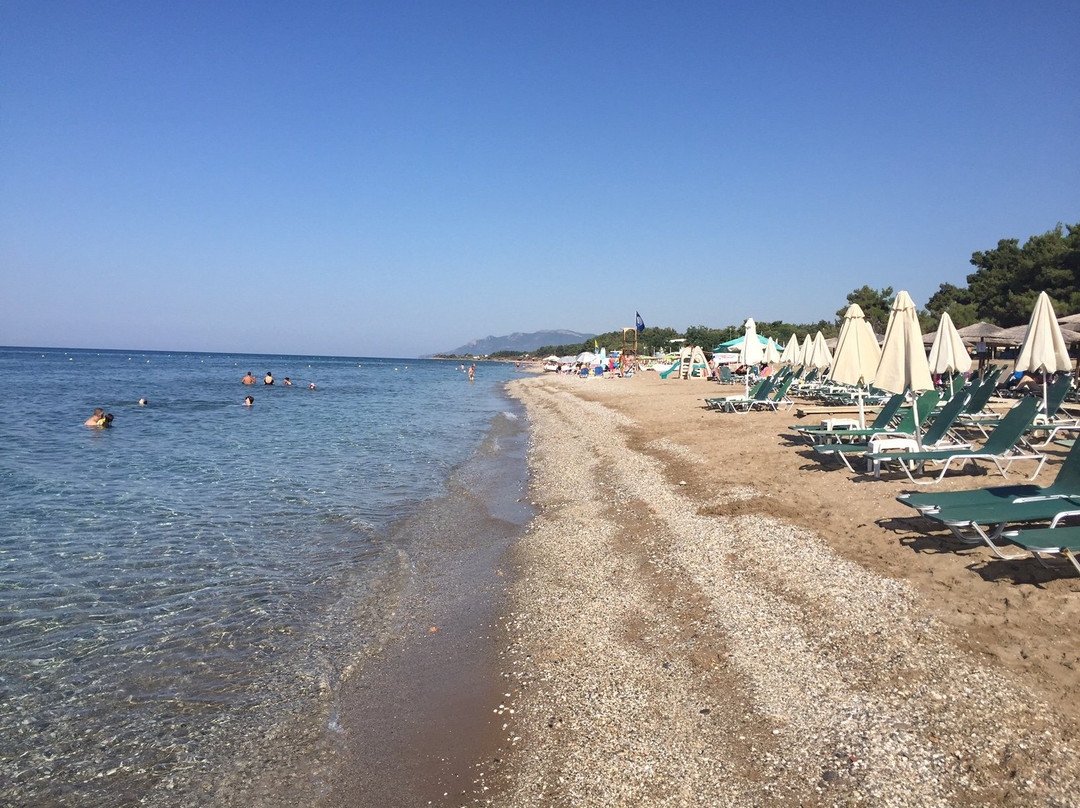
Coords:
702,614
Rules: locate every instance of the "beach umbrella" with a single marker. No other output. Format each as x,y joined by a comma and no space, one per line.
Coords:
751,352
585,357
820,355
857,355
772,353
1044,349
903,364
806,351
948,353
790,356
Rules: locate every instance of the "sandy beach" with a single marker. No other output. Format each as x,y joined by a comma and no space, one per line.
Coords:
701,614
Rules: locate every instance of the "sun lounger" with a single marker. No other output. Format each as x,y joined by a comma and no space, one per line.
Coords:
1048,541
742,403
1001,447
885,416
904,428
1065,484
720,402
972,524
778,399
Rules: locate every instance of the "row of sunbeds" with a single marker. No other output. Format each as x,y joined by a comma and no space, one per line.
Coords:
1025,516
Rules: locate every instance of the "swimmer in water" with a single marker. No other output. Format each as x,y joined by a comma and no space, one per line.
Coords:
95,419
249,379
287,382
142,402
248,401
268,378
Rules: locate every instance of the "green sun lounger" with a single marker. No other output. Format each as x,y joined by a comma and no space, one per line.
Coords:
881,422
972,524
1001,447
905,427
1048,541
1065,484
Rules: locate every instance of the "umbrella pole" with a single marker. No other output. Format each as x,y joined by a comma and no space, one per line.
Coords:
1045,399
862,411
918,421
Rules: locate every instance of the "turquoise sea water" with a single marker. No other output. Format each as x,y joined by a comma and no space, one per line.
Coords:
173,581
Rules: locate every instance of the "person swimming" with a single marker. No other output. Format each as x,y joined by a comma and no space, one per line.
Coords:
96,418
249,401
249,379
268,378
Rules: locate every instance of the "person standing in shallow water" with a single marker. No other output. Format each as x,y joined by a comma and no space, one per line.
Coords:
249,379
96,418
268,378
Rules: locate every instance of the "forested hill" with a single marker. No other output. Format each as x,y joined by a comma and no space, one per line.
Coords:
524,343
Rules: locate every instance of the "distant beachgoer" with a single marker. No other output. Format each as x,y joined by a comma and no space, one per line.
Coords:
143,402
107,420
287,382
472,372
95,419
268,378
249,379
249,401
311,386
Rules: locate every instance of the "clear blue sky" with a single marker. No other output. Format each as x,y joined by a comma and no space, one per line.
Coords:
397,178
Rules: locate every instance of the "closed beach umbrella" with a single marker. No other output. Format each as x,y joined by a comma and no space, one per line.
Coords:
820,355
772,353
805,353
857,355
790,356
1044,349
948,353
903,364
751,352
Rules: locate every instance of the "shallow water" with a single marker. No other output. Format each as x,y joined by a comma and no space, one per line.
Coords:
201,568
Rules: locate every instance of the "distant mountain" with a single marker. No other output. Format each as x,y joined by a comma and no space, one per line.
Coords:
518,342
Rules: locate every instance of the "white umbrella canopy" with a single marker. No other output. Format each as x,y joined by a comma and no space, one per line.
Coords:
772,353
806,351
752,351
903,364
790,356
948,353
821,356
857,354
1044,350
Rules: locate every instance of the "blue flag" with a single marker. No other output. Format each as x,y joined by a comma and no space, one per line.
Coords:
640,322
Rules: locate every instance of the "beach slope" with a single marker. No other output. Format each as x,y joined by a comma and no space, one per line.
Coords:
701,615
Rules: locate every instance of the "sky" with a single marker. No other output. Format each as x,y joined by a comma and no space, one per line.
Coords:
397,178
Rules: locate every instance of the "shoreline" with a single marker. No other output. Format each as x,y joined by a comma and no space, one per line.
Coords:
698,614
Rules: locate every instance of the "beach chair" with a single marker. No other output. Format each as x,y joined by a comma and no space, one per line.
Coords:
743,404
885,416
904,428
719,402
986,522
1048,541
778,398
1065,484
1001,447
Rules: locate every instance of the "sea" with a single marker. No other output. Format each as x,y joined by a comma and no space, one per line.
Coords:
187,592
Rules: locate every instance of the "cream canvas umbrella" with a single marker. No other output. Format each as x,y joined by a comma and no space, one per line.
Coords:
751,352
772,353
903,364
790,356
822,356
948,353
1044,349
806,350
857,355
